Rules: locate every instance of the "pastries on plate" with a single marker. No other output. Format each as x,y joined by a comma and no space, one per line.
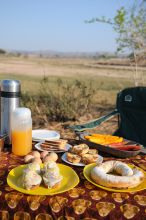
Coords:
82,153
123,177
33,175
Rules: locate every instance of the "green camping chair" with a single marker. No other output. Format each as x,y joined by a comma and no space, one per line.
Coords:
131,109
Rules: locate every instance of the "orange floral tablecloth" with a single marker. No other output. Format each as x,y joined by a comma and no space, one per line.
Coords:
85,201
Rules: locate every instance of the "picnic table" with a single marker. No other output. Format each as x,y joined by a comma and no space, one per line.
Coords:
86,201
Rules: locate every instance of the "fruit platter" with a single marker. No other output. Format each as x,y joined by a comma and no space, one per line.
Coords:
113,145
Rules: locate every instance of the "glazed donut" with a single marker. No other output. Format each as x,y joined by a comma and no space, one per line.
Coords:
129,177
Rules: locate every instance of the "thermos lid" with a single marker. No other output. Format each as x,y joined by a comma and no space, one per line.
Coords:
8,85
21,114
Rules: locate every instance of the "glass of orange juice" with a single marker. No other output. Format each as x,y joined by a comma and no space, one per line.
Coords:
21,131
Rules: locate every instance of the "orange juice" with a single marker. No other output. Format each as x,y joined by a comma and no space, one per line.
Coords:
21,142
21,131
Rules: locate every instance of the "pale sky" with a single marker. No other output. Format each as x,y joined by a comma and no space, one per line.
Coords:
57,25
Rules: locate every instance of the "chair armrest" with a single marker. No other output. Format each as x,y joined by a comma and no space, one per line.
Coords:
94,123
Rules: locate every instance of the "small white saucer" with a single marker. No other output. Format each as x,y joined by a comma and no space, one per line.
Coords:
41,135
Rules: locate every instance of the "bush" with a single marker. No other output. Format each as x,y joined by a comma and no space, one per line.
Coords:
2,51
67,101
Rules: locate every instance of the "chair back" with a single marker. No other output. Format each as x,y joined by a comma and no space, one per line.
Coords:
131,105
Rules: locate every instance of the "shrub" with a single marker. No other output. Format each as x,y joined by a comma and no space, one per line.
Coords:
67,101
2,51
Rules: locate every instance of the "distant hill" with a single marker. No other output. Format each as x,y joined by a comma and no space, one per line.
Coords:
52,53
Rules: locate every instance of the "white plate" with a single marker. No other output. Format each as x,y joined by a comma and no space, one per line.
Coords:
40,135
76,164
99,161
38,147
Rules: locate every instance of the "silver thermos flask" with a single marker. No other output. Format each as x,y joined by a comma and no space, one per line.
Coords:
9,100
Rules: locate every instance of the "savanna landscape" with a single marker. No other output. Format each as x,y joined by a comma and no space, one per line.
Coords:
62,91
73,59
62,88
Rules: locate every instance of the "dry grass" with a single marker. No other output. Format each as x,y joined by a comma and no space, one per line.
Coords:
67,67
106,80
31,70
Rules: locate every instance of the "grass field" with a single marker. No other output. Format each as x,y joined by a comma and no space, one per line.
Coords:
32,69
101,83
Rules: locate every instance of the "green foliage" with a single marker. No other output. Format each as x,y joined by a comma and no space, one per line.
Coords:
131,28
66,102
130,25
103,19
2,51
69,100
119,19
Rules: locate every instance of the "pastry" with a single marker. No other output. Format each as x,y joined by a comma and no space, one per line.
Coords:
73,158
89,158
128,177
92,151
80,149
51,175
31,179
35,166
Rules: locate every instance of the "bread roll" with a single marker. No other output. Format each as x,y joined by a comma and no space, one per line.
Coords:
28,158
129,177
44,154
51,157
35,154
